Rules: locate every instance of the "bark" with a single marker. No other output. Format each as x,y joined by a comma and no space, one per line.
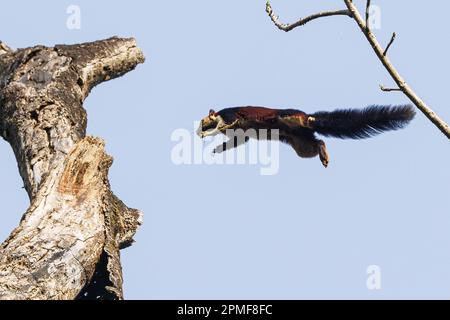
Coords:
67,244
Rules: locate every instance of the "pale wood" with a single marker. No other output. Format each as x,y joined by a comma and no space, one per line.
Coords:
381,53
67,244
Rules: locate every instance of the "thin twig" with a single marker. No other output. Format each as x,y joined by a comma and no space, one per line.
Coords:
385,89
401,83
288,27
367,14
389,44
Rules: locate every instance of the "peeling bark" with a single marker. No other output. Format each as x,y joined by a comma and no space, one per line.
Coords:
67,244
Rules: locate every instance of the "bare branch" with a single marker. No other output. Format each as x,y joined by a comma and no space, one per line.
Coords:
401,83
288,27
67,244
389,44
353,12
122,56
367,14
385,89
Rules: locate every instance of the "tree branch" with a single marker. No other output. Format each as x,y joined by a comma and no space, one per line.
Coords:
367,14
353,12
385,89
46,256
67,244
303,21
389,44
116,56
402,85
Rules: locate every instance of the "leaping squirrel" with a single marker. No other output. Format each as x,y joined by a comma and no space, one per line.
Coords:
298,128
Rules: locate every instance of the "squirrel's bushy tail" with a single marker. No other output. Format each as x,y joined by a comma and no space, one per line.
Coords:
362,123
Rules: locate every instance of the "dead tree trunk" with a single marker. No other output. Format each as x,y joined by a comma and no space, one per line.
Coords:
67,244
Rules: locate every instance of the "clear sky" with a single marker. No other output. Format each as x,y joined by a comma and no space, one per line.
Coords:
215,231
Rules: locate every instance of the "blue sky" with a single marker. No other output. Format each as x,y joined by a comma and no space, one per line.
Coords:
226,231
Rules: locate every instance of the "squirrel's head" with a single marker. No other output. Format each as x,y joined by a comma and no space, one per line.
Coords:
208,123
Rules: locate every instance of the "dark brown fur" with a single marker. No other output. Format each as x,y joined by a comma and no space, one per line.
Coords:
297,128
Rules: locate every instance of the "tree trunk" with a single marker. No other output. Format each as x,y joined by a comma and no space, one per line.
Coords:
67,244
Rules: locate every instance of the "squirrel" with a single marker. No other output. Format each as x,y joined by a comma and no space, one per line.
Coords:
298,128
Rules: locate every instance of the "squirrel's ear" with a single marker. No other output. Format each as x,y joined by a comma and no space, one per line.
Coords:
212,112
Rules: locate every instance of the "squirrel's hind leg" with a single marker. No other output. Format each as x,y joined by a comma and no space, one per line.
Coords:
323,154
310,147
